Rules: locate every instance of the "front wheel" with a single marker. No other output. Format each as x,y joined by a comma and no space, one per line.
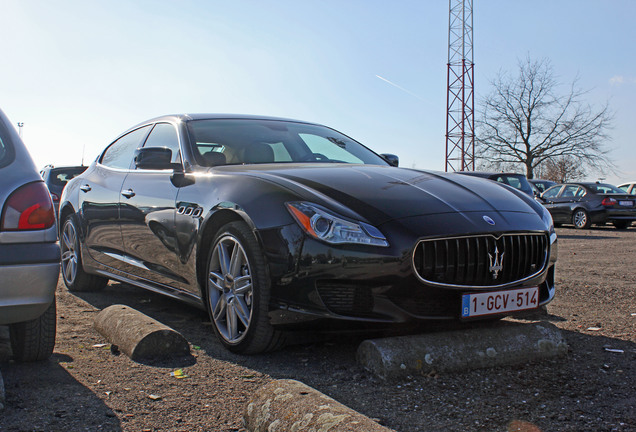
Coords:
581,219
238,292
34,340
75,278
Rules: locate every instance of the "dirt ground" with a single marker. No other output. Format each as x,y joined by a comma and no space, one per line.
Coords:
86,386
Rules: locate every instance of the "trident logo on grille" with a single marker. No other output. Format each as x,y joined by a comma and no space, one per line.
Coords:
497,265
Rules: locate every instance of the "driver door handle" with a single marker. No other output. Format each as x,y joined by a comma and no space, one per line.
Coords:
85,188
129,193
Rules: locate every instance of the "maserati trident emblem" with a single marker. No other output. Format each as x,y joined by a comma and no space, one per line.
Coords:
497,265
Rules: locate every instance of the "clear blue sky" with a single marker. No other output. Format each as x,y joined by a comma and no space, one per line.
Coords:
79,72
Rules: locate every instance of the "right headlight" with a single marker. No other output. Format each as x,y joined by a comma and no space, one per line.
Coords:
323,225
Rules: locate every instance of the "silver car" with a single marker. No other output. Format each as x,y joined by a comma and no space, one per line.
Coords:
29,251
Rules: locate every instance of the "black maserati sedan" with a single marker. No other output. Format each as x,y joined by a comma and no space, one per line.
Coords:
586,204
275,225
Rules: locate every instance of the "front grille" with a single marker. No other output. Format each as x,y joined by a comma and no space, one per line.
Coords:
482,261
345,298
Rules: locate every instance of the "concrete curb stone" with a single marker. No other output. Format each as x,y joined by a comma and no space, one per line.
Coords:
457,350
139,336
290,406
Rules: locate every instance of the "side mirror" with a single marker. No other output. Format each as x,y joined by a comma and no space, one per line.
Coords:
392,159
153,158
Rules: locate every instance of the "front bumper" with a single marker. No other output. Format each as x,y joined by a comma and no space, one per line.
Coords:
371,285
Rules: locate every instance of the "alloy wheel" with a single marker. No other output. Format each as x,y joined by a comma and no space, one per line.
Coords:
230,289
69,252
580,219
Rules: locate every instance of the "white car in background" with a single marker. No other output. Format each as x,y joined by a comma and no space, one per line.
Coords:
29,251
630,187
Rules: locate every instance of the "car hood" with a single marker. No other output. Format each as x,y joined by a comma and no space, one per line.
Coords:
380,194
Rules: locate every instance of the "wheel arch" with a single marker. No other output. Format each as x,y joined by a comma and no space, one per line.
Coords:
211,226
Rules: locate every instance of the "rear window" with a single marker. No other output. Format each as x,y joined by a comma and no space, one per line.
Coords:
6,148
601,188
517,182
61,176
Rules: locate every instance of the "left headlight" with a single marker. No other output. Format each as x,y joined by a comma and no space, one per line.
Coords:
325,226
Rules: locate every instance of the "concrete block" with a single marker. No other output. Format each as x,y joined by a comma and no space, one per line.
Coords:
291,406
457,350
139,336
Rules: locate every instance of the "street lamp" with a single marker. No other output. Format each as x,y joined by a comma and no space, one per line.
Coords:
20,125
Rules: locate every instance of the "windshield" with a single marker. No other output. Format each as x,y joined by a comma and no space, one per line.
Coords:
237,141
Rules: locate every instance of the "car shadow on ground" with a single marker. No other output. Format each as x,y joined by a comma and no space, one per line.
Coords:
25,383
592,233
598,369
303,347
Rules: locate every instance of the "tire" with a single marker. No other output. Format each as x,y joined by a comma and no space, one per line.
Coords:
581,219
238,292
621,225
75,278
34,340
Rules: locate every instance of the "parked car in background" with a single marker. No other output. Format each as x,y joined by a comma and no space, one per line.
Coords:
541,184
57,177
630,187
29,252
517,181
584,204
273,225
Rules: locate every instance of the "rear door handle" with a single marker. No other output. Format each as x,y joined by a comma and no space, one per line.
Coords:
85,188
129,193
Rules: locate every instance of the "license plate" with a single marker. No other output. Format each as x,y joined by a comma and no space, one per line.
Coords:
626,203
499,301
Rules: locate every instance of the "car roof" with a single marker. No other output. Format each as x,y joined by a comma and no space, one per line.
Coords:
215,116
489,174
541,180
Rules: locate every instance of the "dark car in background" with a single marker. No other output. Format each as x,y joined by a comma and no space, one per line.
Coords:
585,204
517,181
273,225
57,177
29,252
541,184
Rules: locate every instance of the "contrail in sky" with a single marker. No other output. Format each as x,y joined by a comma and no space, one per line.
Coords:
401,88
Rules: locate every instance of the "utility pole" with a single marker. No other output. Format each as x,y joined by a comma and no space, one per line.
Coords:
460,102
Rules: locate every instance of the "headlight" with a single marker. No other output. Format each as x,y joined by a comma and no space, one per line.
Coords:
322,225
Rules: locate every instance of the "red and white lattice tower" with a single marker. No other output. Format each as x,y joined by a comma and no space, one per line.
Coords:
460,103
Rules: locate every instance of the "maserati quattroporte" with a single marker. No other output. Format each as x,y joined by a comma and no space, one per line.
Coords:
273,225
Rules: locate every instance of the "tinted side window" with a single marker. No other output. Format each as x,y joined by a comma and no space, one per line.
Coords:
165,135
552,192
120,153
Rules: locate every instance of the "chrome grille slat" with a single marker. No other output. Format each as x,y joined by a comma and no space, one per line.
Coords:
465,261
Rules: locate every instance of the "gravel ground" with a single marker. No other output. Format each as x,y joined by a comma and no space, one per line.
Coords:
86,386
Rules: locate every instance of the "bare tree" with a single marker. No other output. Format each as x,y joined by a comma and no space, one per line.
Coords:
525,121
563,169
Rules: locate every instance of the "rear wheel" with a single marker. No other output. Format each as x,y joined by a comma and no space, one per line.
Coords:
34,340
75,278
238,292
581,219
